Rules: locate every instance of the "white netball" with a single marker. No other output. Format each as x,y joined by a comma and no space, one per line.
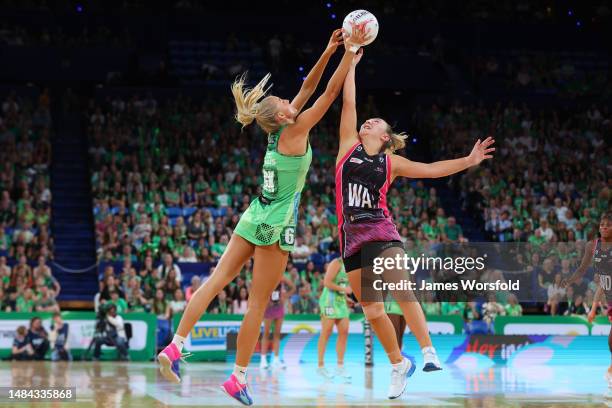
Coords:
360,17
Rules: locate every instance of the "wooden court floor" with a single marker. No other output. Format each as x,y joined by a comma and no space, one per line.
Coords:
131,384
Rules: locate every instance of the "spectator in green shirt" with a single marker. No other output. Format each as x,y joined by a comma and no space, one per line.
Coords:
201,185
513,308
452,308
431,230
536,239
42,218
441,217
453,231
162,242
46,301
25,301
119,302
430,307
223,199
172,197
218,248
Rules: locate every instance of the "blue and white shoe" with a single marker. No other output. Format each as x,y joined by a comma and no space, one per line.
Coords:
430,359
399,377
408,356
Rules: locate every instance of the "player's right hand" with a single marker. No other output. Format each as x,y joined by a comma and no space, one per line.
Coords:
358,36
348,290
357,57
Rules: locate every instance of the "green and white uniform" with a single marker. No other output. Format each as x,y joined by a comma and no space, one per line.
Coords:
332,304
273,216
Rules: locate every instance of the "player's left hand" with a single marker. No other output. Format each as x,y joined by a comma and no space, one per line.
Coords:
335,40
481,151
359,35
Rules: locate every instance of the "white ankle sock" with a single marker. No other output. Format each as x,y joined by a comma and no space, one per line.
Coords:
178,341
240,373
399,365
428,349
275,359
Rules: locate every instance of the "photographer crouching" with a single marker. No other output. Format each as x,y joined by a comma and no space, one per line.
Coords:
112,333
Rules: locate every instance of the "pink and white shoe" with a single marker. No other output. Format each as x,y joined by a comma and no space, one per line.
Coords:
169,362
239,392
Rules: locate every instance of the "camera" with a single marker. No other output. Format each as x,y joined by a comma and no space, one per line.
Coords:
101,318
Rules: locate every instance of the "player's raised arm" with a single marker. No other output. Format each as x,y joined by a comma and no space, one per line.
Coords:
310,117
348,119
403,167
314,76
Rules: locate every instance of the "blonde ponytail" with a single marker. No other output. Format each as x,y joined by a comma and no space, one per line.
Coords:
397,141
253,104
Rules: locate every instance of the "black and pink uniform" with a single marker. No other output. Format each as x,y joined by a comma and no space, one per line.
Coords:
275,308
362,182
602,265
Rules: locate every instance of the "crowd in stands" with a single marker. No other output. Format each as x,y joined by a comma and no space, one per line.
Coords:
26,246
416,10
19,36
171,179
413,10
568,75
548,185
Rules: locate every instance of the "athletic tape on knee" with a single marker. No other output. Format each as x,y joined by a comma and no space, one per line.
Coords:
373,311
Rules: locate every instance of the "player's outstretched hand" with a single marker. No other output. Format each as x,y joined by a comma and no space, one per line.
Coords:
359,35
335,40
357,57
481,151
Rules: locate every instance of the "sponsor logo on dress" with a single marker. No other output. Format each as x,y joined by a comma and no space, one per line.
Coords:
356,160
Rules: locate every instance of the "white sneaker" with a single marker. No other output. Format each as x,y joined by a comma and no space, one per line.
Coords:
430,359
342,373
399,377
263,363
323,372
277,364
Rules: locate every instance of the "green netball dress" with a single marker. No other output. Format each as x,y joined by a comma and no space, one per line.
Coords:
331,303
273,215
